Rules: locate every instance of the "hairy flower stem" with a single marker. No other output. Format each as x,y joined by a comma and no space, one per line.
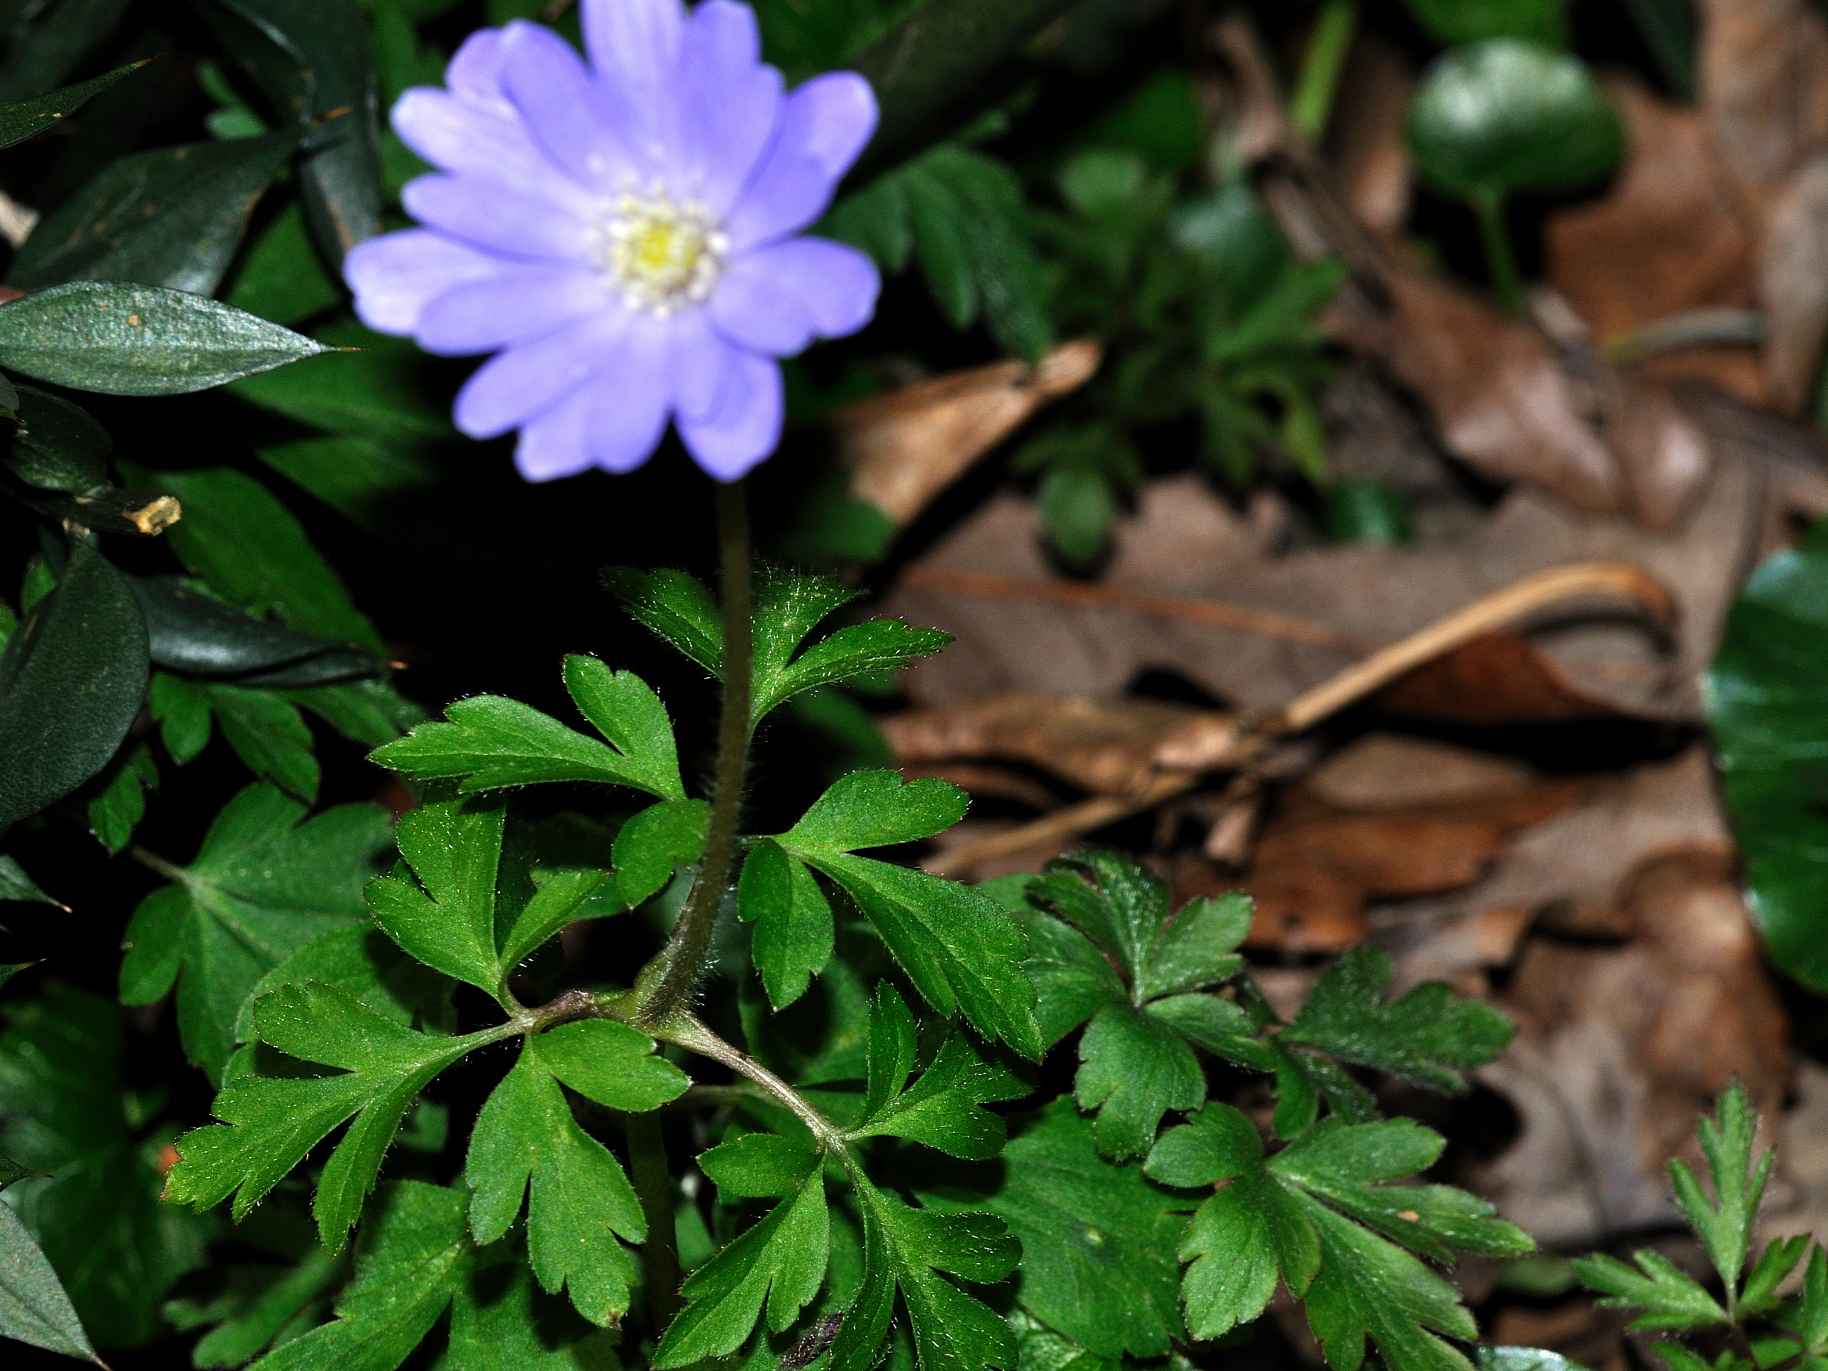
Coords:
666,985
654,1187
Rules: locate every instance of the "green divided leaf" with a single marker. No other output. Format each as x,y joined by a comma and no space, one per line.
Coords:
1321,1215
169,218
72,678
23,119
793,921
33,1306
489,742
655,843
269,1123
1670,1298
911,1253
116,808
1428,1036
788,607
961,951
1768,705
265,729
944,1107
500,1321
961,216
118,339
780,1260
581,1200
1725,1226
1136,1057
454,847
1098,1238
262,886
409,1265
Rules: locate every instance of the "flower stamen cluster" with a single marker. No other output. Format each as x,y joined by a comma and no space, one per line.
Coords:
662,254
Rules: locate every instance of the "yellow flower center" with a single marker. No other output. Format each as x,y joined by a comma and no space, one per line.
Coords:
662,254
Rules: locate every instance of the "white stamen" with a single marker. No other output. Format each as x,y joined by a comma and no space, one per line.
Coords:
661,253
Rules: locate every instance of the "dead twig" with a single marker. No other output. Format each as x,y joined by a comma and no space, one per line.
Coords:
1503,608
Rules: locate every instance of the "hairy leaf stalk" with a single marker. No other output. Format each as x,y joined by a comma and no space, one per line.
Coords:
666,985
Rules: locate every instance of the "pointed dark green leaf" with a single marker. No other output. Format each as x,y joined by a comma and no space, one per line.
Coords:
170,218
71,682
311,59
33,1306
139,340
58,446
23,119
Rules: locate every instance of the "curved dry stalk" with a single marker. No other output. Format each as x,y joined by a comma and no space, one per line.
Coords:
1500,609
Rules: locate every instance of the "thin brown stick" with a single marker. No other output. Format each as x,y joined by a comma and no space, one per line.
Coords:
1485,615
1207,613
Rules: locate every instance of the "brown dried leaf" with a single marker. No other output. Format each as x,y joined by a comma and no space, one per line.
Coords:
906,447
1764,87
1621,1047
1253,631
1664,240
1365,140
1794,287
1107,747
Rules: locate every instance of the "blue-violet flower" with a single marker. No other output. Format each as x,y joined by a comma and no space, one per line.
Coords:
623,235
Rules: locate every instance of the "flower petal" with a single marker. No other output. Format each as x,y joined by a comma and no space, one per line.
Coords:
825,125
746,426
515,385
515,306
553,89
457,135
629,401
495,217
557,442
394,277
730,101
634,44
701,365
475,70
778,298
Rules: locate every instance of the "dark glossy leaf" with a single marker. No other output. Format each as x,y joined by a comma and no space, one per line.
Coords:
71,681
1504,116
58,446
64,1110
168,218
1470,21
53,40
139,340
238,537
1767,699
20,888
281,276
23,119
383,389
311,57
33,1306
200,636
